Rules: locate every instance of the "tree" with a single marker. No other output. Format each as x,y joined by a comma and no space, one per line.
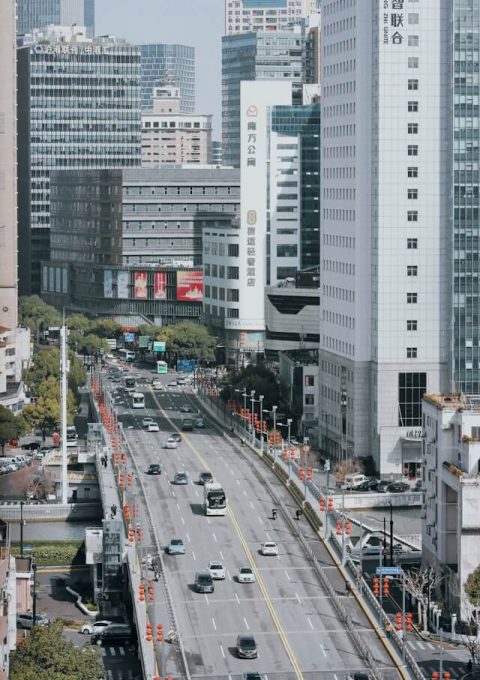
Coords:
106,328
258,378
92,344
46,363
472,587
11,426
188,340
420,583
45,412
47,655
37,315
79,322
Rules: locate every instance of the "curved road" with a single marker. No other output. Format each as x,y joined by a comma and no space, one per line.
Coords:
294,623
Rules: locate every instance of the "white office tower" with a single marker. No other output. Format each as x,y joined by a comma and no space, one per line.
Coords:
242,16
384,334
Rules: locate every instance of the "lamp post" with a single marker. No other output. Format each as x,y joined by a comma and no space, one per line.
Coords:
274,414
21,528
261,398
391,534
34,595
252,399
244,395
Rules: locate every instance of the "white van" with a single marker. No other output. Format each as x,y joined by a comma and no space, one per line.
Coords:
352,481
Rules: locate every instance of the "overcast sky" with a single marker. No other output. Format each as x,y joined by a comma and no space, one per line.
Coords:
198,23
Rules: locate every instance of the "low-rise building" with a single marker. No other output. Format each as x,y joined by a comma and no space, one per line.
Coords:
14,358
451,458
298,372
8,601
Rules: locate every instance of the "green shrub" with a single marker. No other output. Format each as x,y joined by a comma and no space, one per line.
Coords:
51,553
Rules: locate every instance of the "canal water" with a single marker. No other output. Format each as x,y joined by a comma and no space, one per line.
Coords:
51,531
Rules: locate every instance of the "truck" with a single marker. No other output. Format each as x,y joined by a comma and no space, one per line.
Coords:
187,424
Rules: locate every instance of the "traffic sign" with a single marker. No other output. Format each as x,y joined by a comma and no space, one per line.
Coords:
388,571
326,465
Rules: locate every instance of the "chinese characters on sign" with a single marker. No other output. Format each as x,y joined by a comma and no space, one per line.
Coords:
70,49
393,21
251,247
252,112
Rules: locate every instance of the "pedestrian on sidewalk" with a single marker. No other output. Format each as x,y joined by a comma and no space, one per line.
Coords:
348,588
469,666
388,630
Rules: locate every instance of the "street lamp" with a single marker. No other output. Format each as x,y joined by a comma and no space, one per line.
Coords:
260,399
244,395
288,425
252,399
34,595
274,412
21,527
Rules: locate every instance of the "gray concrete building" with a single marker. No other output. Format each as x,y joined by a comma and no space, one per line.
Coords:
78,107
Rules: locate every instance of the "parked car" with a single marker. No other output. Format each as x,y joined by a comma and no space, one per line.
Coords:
246,646
246,575
382,486
115,634
205,478
91,627
175,436
176,547
31,446
398,487
204,582
26,620
170,444
180,478
269,548
217,570
154,469
354,481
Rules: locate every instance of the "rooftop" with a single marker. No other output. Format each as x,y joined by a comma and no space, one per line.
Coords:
455,401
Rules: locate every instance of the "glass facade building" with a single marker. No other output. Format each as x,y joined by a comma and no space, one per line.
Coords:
256,56
303,122
168,65
78,107
466,213
40,13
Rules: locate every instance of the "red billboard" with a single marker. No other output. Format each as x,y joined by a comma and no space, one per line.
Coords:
140,285
160,286
190,286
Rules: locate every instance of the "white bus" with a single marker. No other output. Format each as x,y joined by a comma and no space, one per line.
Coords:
138,400
127,354
214,499
130,384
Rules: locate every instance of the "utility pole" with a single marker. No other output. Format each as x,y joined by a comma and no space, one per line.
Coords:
261,398
274,409
63,405
252,398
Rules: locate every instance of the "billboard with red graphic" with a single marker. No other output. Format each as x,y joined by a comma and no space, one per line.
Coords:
160,286
189,286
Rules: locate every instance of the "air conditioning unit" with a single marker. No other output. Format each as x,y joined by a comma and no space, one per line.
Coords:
6,596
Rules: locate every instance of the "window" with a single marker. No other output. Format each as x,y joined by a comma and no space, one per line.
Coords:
412,243
411,388
412,216
412,171
412,194
411,352
232,313
412,270
206,270
412,150
207,291
413,41
412,128
233,250
412,62
412,298
232,273
309,381
413,84
233,295
309,400
214,271
412,106
412,325
287,250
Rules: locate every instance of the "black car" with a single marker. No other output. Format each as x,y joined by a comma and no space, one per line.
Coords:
115,634
31,446
204,582
175,436
246,646
398,487
205,478
382,487
154,469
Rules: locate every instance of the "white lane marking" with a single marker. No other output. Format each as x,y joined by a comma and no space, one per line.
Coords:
238,481
214,537
252,505
430,646
237,598
223,651
193,555
246,623
335,676
286,574
245,493
209,521
183,521
229,576
221,556
298,598
206,598
323,650
173,493
310,623
232,472
188,537
196,492
260,519
419,644
268,535
178,506
214,624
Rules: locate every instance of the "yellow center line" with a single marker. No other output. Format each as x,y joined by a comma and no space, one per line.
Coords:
261,584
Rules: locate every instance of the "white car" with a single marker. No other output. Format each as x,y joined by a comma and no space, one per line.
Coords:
153,427
91,627
269,548
217,570
172,383
246,575
146,422
170,444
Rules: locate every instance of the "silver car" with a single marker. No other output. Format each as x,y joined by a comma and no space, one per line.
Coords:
26,620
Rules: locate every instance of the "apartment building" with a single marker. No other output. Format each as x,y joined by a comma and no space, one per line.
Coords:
242,16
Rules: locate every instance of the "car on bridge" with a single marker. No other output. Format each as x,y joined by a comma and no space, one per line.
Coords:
146,421
246,646
153,427
253,675
176,547
246,575
204,582
170,444
185,409
205,478
154,469
180,478
217,570
269,548
175,436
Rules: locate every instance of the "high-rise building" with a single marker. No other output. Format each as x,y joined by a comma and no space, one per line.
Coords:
242,16
172,137
168,65
294,193
386,223
217,153
257,56
33,14
78,107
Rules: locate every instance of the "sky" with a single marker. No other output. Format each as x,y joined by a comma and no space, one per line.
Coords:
198,23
